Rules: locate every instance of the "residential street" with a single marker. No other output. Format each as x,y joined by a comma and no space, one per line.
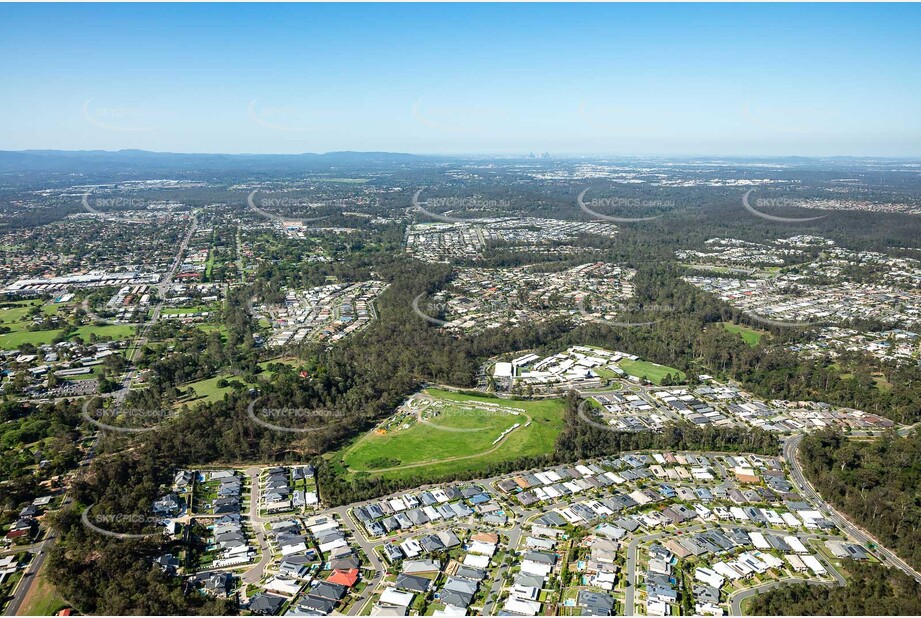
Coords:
790,449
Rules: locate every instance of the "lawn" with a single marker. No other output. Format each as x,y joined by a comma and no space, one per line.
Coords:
207,391
750,335
208,327
17,320
443,451
14,340
291,362
10,315
114,331
209,265
651,371
186,310
20,336
605,373
424,442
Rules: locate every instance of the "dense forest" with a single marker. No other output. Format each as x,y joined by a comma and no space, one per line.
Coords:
51,432
876,482
114,577
871,590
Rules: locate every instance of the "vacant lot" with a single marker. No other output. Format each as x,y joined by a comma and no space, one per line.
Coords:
460,437
750,335
651,371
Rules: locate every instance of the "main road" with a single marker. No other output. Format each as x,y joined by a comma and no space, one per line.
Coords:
29,576
790,448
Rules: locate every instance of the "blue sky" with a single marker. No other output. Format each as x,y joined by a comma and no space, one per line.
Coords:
456,78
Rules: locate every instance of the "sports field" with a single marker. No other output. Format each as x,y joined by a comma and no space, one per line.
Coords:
457,433
16,318
651,371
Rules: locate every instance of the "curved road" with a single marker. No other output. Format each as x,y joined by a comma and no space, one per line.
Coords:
790,447
735,601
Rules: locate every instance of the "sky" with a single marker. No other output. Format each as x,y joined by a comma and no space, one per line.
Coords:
621,79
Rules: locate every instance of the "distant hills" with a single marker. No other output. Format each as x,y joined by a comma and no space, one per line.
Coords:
64,161
143,162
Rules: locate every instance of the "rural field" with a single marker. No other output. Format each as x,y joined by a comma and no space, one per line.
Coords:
459,437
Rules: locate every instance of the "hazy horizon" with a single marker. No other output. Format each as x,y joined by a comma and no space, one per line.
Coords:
486,155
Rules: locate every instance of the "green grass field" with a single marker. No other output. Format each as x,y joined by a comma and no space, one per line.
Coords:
207,391
113,331
426,450
17,319
10,315
605,373
211,328
651,371
211,308
424,442
12,341
750,335
209,265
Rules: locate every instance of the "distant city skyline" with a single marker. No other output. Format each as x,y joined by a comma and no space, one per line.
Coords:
608,80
